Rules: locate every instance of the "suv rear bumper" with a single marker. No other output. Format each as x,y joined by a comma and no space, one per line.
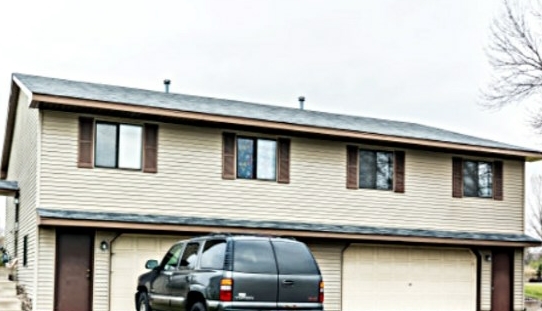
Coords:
255,306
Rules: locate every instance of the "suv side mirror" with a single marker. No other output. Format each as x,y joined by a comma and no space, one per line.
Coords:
151,264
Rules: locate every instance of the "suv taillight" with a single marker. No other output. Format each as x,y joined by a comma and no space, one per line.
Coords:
321,294
226,290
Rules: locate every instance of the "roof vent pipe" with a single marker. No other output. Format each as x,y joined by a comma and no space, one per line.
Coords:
167,82
301,102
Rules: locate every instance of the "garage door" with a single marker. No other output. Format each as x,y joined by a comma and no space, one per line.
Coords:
382,278
129,254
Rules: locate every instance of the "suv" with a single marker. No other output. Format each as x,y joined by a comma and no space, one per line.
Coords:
224,272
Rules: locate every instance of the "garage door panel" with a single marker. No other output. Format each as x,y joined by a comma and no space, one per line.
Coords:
417,278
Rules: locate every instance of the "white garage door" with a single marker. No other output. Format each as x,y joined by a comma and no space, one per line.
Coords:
382,278
129,254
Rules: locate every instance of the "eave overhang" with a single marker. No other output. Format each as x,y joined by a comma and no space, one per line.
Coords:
163,223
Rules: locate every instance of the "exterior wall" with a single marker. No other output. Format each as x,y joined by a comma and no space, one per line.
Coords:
485,290
328,255
189,183
45,286
102,265
23,167
189,180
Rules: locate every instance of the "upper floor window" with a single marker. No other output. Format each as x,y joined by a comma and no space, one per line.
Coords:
374,169
477,179
472,178
118,145
255,158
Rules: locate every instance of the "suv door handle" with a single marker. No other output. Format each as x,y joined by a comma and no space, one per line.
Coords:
288,282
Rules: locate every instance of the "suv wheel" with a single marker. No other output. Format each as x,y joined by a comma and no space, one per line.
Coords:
198,306
143,303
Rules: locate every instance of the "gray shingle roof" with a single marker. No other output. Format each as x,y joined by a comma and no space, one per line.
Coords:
231,108
281,225
9,185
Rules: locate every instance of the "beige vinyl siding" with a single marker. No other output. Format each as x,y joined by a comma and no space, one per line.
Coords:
46,270
485,290
101,288
329,258
23,167
189,183
519,298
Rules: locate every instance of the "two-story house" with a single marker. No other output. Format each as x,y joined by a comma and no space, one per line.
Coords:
404,216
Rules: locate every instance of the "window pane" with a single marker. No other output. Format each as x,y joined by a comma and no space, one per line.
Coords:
367,169
253,257
294,258
130,146
267,159
172,257
106,145
190,256
213,253
384,170
485,180
245,157
470,179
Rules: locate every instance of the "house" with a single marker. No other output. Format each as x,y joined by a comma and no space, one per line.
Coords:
100,178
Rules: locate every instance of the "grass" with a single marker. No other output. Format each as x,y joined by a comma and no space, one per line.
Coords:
533,290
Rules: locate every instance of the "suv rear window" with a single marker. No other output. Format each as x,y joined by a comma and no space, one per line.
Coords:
294,258
213,253
253,257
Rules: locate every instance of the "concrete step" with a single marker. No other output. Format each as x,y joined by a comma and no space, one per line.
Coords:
10,304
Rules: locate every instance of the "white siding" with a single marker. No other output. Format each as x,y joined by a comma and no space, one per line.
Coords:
102,264
485,291
189,183
46,270
519,298
328,255
23,167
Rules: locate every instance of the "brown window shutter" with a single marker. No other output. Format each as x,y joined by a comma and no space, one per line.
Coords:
284,161
86,139
497,180
228,156
150,149
399,174
457,177
352,178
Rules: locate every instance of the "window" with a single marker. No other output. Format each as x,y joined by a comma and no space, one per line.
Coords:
477,179
253,257
25,250
256,158
294,258
213,254
114,145
190,256
172,257
118,145
371,169
376,170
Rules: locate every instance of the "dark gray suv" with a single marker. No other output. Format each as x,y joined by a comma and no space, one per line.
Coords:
224,272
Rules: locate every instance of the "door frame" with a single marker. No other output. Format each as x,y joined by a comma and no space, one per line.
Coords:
67,231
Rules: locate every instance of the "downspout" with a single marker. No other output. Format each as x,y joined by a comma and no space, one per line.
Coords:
109,274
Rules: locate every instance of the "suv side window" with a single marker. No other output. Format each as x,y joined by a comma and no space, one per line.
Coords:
212,256
294,258
190,256
253,257
172,257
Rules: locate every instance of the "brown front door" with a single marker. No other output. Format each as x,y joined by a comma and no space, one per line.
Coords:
73,270
501,298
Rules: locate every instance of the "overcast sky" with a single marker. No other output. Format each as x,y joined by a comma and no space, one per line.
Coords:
419,60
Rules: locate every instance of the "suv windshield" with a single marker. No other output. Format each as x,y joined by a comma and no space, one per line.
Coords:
252,256
294,258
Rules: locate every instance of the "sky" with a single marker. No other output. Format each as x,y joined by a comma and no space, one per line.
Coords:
418,61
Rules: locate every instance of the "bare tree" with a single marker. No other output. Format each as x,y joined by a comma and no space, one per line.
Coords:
515,57
534,203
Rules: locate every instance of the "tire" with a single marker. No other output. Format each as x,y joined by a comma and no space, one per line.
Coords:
198,306
143,302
